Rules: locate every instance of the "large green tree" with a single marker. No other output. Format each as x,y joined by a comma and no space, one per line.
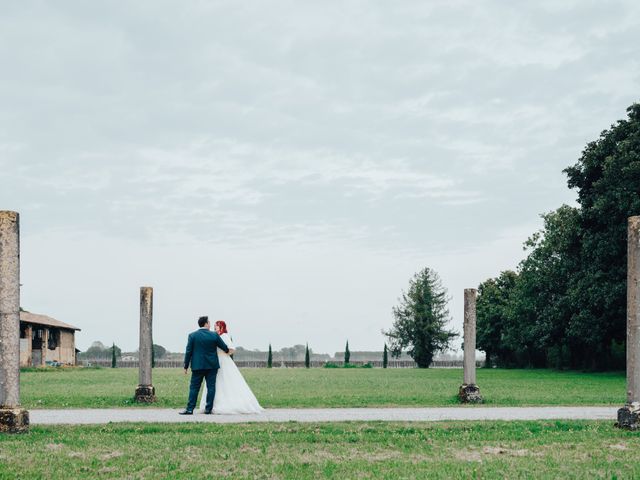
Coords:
494,317
421,318
541,304
607,178
567,306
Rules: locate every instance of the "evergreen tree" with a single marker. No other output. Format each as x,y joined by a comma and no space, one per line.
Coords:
307,359
347,354
421,318
385,357
270,358
153,356
113,356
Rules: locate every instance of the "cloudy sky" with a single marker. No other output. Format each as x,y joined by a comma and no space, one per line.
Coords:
287,166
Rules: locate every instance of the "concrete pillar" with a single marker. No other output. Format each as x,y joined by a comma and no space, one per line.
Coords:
29,335
45,346
13,418
629,415
469,391
145,392
470,336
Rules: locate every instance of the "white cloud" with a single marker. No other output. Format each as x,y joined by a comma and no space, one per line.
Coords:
384,135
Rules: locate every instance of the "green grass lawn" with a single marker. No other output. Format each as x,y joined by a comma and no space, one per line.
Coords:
544,449
99,388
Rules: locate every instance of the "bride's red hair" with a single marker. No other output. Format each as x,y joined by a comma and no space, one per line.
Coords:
223,326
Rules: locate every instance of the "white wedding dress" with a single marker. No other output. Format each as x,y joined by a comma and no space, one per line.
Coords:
233,395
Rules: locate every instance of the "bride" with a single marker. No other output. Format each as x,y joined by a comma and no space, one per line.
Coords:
233,395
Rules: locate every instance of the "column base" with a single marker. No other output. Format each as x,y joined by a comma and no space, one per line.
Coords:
469,394
145,394
629,416
14,420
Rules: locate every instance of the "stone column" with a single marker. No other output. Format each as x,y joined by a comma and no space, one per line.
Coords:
469,391
629,415
45,347
29,335
13,418
145,392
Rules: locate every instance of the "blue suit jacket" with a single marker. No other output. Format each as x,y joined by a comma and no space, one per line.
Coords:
202,351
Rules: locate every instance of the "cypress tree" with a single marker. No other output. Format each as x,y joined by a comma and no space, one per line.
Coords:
385,357
307,360
347,354
113,356
270,358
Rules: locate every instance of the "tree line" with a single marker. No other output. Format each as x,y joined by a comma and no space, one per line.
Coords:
347,357
565,305
98,351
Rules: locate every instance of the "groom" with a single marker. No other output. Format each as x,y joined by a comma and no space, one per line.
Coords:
202,354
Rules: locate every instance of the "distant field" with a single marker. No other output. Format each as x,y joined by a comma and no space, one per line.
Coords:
544,449
318,387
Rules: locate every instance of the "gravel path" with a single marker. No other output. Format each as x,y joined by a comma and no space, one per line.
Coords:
101,416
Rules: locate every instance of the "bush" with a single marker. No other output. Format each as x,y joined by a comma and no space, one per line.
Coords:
347,365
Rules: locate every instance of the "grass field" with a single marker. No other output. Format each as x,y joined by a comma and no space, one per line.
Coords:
558,449
100,388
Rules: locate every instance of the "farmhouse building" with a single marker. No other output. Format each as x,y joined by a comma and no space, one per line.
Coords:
44,339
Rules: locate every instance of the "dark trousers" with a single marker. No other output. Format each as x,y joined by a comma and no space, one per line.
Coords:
196,382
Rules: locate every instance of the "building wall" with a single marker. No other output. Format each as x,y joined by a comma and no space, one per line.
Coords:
64,353
67,348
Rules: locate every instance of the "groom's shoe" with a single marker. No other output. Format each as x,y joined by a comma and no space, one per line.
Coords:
207,412
186,412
